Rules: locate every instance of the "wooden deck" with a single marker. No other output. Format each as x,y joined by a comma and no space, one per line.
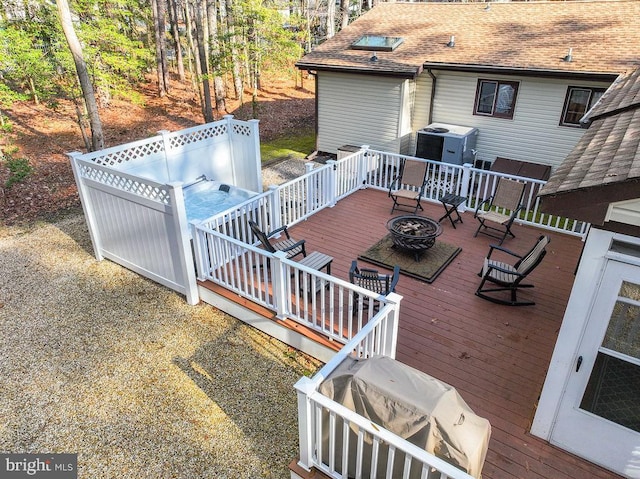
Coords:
496,356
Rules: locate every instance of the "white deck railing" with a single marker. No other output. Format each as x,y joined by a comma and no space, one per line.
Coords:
321,302
324,186
226,254
323,424
473,183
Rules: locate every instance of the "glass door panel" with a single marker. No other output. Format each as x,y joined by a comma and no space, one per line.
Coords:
613,390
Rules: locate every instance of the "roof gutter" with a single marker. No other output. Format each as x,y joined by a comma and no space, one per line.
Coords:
407,74
596,76
413,73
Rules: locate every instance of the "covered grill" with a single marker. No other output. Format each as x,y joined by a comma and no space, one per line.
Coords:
412,405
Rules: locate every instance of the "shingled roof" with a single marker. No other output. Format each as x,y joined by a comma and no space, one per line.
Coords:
604,167
519,36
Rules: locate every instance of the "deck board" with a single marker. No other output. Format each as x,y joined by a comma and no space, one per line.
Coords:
495,355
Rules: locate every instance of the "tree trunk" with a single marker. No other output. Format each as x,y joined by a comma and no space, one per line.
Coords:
331,18
235,61
207,110
344,11
224,44
175,33
253,64
81,125
307,8
158,7
97,137
193,57
34,92
214,43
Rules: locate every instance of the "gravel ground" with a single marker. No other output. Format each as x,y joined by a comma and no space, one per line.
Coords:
282,171
99,361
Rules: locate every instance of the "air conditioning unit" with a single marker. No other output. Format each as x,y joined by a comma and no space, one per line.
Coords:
447,143
346,150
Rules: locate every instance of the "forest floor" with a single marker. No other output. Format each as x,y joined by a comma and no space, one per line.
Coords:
43,136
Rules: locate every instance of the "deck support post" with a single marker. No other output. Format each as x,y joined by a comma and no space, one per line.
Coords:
276,213
465,184
308,167
280,283
311,194
364,164
255,147
332,187
199,251
304,387
391,331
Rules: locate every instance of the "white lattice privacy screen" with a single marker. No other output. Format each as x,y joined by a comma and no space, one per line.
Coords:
133,200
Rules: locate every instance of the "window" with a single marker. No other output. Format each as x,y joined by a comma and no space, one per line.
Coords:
377,43
496,98
578,102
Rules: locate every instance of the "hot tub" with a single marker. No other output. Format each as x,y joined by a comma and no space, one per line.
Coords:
205,198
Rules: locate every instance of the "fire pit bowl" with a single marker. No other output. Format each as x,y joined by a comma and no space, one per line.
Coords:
413,233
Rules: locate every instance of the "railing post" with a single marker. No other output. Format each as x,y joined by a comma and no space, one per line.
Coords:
200,252
185,263
305,387
310,190
333,183
231,141
391,331
465,182
363,165
255,153
280,283
276,214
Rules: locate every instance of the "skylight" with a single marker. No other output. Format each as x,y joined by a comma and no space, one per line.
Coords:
377,43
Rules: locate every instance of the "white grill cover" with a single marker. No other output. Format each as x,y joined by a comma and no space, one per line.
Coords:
413,405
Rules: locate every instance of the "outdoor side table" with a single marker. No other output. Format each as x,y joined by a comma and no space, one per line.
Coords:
451,203
317,261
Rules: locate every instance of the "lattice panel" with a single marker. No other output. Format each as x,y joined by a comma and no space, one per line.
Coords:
199,135
243,130
127,184
123,156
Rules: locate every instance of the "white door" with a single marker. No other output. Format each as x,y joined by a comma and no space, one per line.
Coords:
599,415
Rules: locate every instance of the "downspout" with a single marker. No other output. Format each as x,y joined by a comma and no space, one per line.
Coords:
433,95
315,79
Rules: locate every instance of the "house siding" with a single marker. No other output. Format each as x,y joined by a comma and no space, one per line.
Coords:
422,105
362,110
405,131
534,133
385,113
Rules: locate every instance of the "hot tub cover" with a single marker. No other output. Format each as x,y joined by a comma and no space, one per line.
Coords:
413,405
